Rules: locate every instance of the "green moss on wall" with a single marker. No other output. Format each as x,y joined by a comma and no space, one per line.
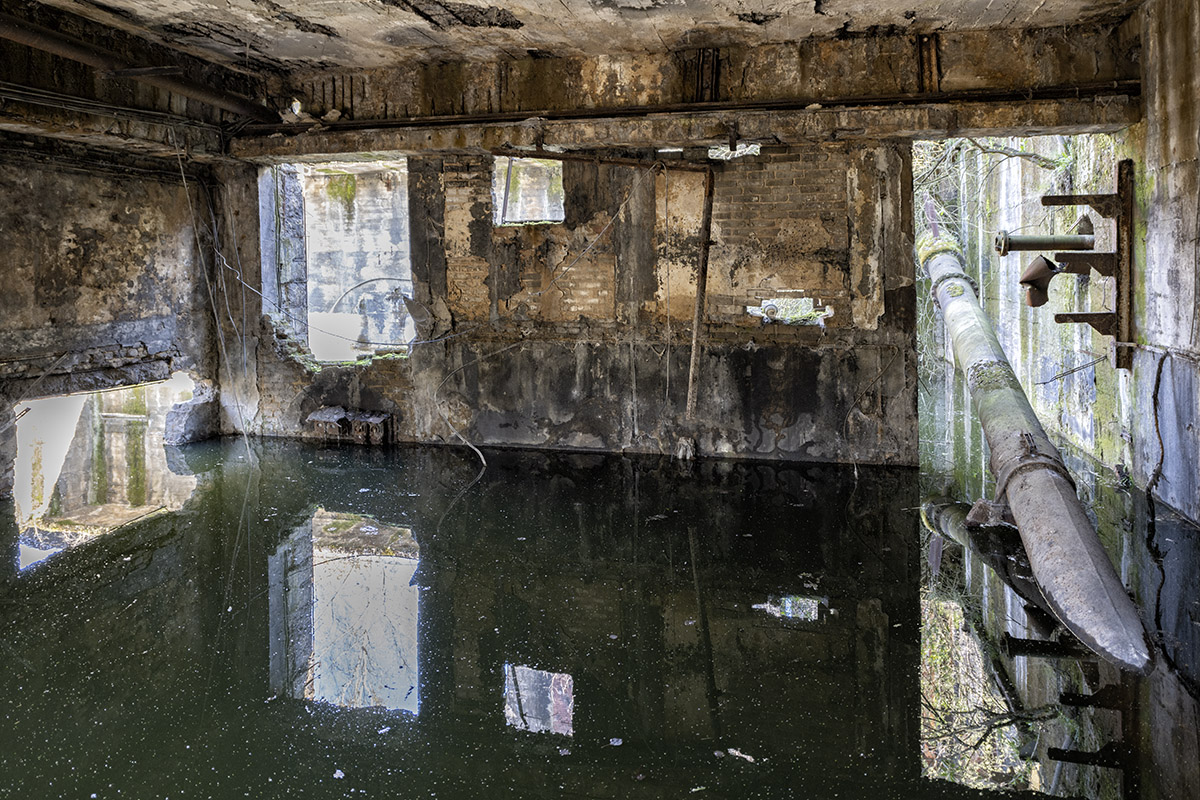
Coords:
135,463
343,188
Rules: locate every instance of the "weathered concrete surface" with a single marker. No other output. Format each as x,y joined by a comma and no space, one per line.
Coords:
276,36
104,282
1112,413
1167,270
703,129
553,348
53,96
840,70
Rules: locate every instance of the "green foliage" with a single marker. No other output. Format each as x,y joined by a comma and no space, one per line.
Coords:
967,731
343,188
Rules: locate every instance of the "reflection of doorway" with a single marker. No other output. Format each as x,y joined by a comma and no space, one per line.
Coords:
343,613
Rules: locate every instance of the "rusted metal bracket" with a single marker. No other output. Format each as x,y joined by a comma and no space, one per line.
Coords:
1106,205
1112,755
1105,322
1064,648
1117,264
1084,263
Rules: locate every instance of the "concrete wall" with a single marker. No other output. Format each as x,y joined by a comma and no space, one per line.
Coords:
103,284
533,338
1167,303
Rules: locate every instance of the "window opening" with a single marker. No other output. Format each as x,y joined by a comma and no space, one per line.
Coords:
527,191
539,701
723,153
790,307
338,236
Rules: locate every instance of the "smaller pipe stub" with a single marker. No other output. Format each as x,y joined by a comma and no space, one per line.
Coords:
1007,242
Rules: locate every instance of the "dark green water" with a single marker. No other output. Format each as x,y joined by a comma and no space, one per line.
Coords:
578,626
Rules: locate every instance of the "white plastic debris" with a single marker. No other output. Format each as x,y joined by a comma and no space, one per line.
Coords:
337,773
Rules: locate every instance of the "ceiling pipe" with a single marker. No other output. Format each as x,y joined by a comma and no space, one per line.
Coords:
39,38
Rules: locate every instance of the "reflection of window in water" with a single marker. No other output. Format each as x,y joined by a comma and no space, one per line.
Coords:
90,463
343,613
793,606
539,701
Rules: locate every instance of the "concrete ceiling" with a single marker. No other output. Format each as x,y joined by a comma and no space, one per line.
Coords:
302,35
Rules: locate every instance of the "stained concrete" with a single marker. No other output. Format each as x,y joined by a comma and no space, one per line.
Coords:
859,80
104,283
271,34
561,335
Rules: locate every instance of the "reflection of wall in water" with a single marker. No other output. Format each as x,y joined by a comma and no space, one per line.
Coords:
116,468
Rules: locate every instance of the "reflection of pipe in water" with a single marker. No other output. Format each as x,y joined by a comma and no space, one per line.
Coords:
1069,563
997,546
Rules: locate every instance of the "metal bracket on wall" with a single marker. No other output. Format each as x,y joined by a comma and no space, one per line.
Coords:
1117,265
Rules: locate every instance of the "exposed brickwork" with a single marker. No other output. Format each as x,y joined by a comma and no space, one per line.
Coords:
780,222
578,334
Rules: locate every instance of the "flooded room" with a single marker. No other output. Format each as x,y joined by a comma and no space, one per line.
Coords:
606,399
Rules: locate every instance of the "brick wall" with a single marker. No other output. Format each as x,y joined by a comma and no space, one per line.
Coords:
578,334
780,222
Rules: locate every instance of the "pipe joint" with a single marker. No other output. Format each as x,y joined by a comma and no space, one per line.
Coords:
955,275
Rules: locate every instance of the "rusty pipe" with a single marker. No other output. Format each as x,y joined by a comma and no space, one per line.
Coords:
39,38
701,289
1068,561
1008,243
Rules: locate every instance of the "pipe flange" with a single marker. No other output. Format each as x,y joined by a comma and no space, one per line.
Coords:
945,276
1025,463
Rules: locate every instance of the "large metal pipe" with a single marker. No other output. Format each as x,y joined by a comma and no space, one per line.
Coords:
39,38
1068,561
999,547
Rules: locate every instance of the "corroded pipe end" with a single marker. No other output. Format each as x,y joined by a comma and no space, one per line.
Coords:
929,246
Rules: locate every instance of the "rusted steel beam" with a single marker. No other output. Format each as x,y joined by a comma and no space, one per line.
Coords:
39,38
1068,561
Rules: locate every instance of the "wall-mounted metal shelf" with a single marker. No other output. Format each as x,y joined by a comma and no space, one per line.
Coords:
1117,264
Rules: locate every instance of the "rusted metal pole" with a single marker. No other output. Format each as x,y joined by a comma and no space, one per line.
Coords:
1068,561
701,289
39,38
1009,243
